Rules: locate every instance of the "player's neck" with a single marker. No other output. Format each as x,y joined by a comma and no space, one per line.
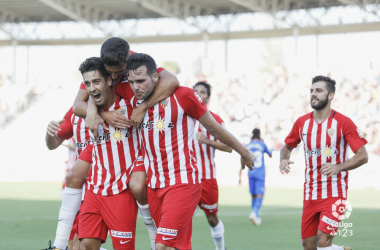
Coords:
110,100
323,114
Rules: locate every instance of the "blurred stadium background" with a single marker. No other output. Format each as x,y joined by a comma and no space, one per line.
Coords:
259,56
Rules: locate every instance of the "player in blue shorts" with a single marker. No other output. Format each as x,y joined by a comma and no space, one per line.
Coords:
257,175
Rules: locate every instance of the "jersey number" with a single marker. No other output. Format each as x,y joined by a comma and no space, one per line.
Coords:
258,159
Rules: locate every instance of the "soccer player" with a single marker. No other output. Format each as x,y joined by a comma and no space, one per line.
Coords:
69,128
167,130
257,175
327,136
114,53
204,149
109,204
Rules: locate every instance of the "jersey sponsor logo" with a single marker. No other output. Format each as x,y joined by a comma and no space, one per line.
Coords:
167,231
331,132
118,135
359,133
161,125
119,234
209,207
123,242
80,145
330,221
327,152
165,103
198,97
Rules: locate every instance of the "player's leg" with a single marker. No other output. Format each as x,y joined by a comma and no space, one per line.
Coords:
71,201
90,244
209,203
139,190
310,243
76,243
253,217
257,199
309,224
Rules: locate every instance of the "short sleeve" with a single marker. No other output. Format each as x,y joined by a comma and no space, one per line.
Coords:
66,127
82,86
293,137
352,135
124,90
159,69
190,102
86,154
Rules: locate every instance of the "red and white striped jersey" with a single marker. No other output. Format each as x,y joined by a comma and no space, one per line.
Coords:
325,142
204,153
114,152
74,126
167,133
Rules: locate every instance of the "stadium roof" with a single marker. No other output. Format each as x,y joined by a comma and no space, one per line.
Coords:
26,21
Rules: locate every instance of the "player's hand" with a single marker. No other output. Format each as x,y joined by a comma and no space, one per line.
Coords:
137,116
116,119
248,160
330,169
53,127
284,166
239,183
200,136
93,122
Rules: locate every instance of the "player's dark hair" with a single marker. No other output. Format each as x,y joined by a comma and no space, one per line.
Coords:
330,83
93,64
206,85
256,134
137,60
114,51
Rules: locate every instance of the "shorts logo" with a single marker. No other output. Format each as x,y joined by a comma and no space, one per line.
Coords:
166,231
198,97
167,238
330,221
210,207
123,242
339,207
124,235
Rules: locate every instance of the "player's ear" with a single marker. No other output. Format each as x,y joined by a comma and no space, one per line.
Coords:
155,78
109,81
331,96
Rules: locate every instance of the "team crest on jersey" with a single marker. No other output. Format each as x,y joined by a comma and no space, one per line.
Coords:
122,110
118,135
165,103
331,132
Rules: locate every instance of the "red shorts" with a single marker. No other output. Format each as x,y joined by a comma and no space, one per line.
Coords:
324,215
172,209
116,213
86,154
210,195
74,229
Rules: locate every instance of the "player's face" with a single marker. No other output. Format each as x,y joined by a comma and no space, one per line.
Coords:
97,86
319,96
117,72
202,92
141,83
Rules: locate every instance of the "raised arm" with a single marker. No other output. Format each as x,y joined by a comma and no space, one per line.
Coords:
284,159
52,139
166,86
80,104
360,158
215,129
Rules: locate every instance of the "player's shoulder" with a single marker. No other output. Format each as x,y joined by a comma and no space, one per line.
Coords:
300,120
340,117
188,92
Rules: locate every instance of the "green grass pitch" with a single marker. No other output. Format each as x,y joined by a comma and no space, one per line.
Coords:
29,212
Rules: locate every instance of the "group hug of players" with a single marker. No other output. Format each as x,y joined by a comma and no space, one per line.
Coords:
144,143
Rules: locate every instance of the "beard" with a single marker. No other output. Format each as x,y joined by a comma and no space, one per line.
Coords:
321,104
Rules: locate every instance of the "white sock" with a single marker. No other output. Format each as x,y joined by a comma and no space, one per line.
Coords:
102,248
150,225
335,247
71,200
325,248
217,234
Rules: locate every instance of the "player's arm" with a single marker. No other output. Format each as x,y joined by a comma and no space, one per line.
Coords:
53,140
216,130
360,158
200,136
166,86
72,147
285,152
80,103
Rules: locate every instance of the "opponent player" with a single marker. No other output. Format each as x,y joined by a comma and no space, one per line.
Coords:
109,205
167,131
69,128
327,136
114,53
256,177
204,149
